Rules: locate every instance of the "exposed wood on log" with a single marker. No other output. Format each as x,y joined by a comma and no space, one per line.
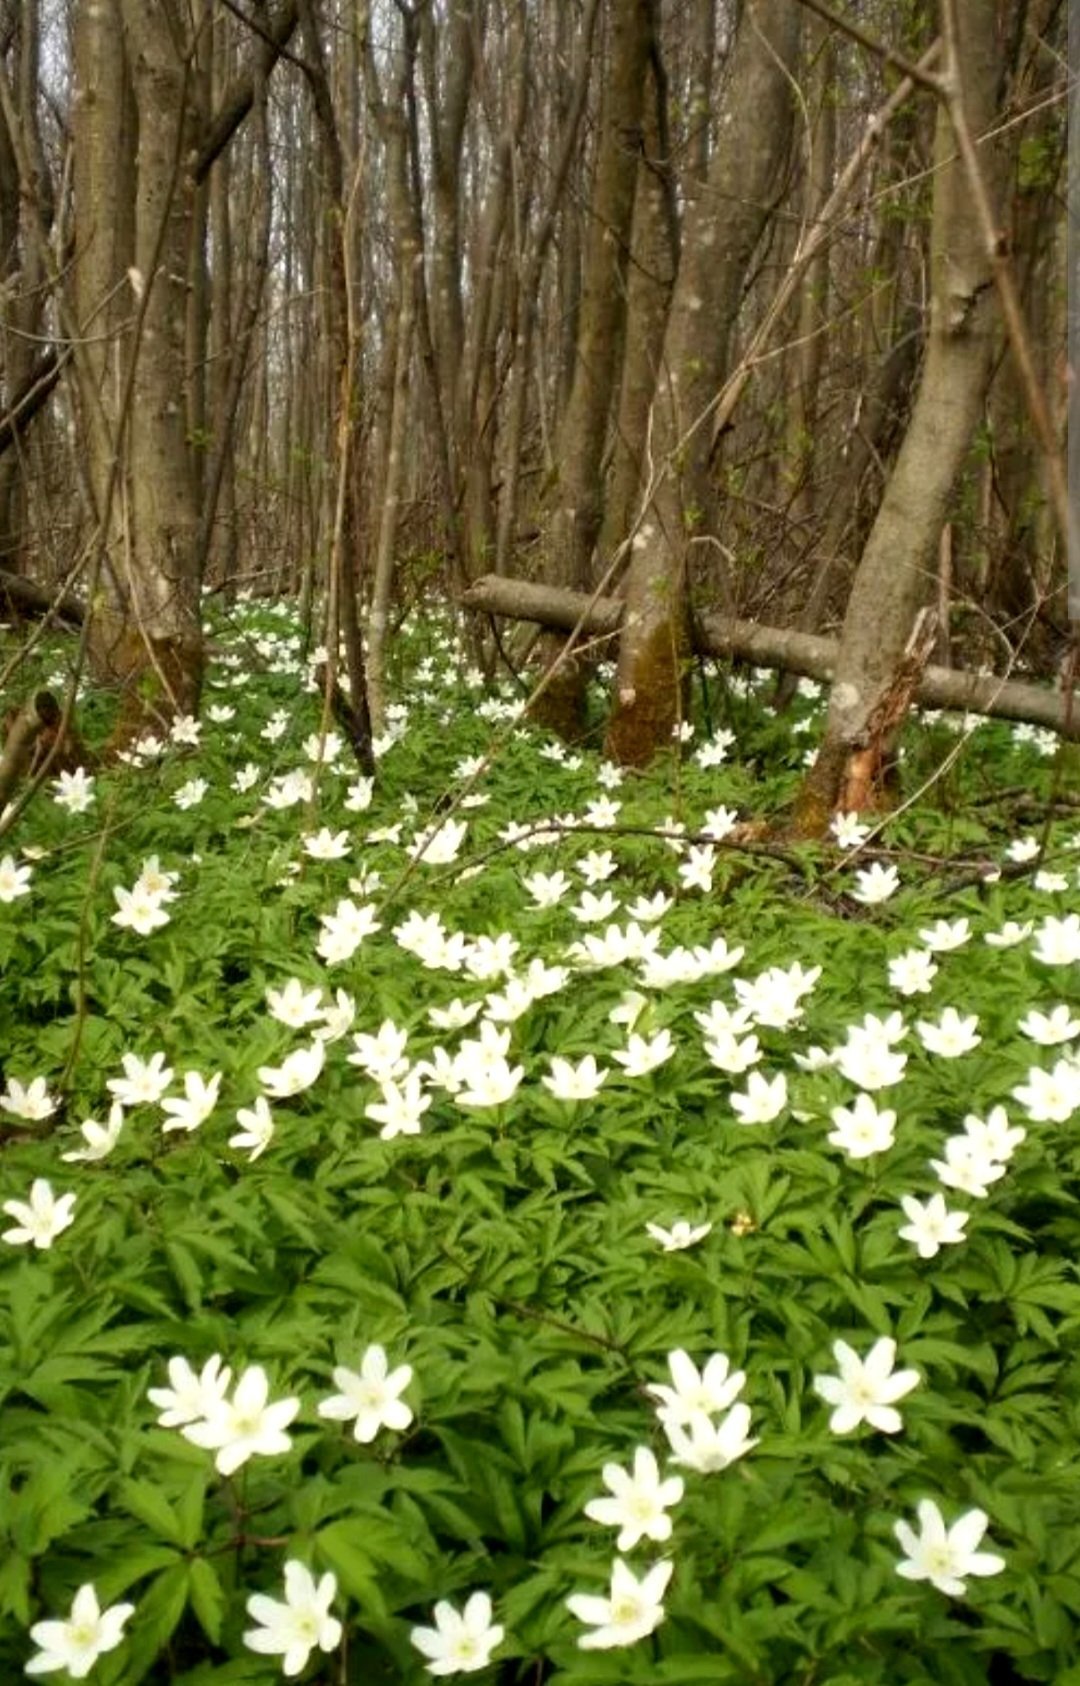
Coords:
770,646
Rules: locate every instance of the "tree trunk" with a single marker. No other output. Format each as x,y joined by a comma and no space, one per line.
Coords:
898,563
146,633
725,218
575,506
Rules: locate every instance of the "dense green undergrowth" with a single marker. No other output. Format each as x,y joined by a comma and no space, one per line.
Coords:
501,1250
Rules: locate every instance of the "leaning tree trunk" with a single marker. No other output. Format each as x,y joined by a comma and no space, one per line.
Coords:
897,564
725,218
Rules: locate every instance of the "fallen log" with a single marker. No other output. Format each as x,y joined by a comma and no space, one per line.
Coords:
19,595
804,653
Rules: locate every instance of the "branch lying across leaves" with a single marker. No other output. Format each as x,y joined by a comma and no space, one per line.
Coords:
771,646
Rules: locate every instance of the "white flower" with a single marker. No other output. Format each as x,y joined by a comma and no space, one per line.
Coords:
699,1443
370,1397
912,972
190,1396
1054,882
247,776
402,1106
31,1100
288,790
648,909
144,1081
849,831
440,845
358,796
198,1102
945,1557
931,1225
719,822
569,1082
774,998
191,794
593,909
952,1036
643,1054
76,1645
866,1390
1010,934
185,729
862,1130
327,845
679,1236
381,1056
40,1221
597,866
762,1101
297,1072
870,1064
344,930
994,1138
455,1015
488,1084
714,752
14,880
731,1054
546,889
1048,1029
1057,941
156,881
632,1610
245,1425
461,1642
74,791
875,883
293,1005
967,1167
139,910
221,713
696,871
256,1128
337,1018
945,935
318,747
640,1499
1050,1096
1023,849
293,1629
628,1009
694,1392
100,1139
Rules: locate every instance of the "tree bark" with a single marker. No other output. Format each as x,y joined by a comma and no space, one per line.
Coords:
575,503
725,218
898,563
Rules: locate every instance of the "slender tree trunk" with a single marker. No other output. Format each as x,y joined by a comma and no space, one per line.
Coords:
575,506
898,565
725,218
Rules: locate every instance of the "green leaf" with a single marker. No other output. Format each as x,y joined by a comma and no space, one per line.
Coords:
208,1598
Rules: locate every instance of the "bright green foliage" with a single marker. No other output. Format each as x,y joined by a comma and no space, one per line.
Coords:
503,1253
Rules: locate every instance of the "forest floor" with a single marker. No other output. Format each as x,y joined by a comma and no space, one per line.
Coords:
670,1237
